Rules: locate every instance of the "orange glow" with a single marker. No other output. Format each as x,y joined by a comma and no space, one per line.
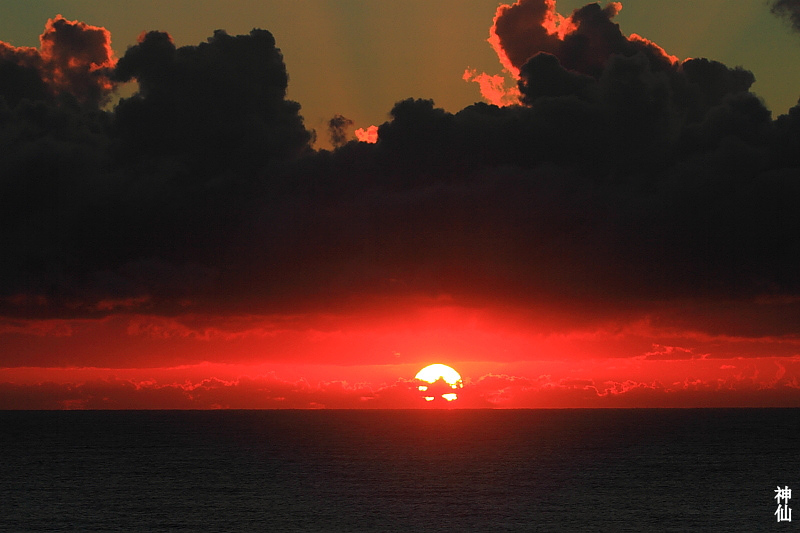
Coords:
493,88
553,23
73,57
364,356
75,52
559,25
638,38
497,45
369,135
521,30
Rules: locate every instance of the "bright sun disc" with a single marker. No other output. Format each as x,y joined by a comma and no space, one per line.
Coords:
434,373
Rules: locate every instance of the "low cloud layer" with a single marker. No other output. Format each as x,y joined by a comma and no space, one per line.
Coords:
766,383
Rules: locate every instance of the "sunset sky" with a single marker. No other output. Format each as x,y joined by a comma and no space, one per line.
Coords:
184,226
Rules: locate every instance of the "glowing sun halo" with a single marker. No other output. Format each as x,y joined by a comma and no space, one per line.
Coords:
442,378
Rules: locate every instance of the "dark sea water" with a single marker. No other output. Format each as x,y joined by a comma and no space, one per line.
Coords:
426,470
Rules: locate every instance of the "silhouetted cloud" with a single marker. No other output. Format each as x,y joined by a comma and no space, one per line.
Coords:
789,9
337,129
626,183
582,42
74,58
218,107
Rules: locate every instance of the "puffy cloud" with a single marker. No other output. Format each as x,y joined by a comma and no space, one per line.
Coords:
78,58
20,74
525,28
582,42
102,206
368,135
545,77
337,129
789,9
218,107
493,88
74,58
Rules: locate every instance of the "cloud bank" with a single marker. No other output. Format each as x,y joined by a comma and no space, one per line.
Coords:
623,184
766,383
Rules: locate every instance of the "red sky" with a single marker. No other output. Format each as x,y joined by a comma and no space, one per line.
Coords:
367,359
624,234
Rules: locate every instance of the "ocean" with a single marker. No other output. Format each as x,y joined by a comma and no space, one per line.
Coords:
416,470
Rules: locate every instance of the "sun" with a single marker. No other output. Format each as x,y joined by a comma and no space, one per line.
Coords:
442,381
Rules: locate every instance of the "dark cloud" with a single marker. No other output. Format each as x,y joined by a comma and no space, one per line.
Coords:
625,181
544,76
337,129
522,30
20,76
216,108
93,201
78,59
789,9
74,59
582,42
